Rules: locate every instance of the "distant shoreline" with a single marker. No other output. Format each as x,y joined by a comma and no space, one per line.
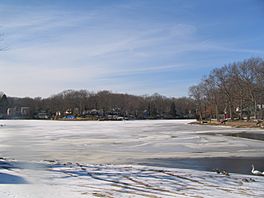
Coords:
234,124
83,119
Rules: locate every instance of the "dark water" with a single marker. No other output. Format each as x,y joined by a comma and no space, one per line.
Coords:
253,136
247,135
232,165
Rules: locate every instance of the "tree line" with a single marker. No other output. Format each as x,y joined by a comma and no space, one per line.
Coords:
82,102
234,91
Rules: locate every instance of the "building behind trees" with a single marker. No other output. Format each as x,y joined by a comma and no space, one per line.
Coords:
100,105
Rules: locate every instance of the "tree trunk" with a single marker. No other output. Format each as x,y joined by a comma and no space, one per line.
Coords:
217,113
255,109
230,111
241,110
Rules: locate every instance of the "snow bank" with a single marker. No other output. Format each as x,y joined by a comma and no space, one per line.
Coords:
56,180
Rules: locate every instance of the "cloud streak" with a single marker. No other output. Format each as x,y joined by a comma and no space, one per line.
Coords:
51,48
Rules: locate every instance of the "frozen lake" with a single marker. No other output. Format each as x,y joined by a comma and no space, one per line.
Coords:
128,159
166,143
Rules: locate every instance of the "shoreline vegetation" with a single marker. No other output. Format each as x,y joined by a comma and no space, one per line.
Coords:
233,123
101,105
231,92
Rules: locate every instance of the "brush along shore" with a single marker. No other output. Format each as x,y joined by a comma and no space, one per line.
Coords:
233,123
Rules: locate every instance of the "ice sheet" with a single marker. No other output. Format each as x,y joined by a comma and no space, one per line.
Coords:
99,159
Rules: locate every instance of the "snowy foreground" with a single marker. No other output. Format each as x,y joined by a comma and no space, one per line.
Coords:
54,179
49,159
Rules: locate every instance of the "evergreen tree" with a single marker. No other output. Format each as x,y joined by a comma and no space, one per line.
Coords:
3,104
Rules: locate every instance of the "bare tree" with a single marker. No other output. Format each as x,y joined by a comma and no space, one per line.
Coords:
196,92
239,86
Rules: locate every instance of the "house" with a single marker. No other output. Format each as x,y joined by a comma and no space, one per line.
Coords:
260,112
42,115
12,112
25,111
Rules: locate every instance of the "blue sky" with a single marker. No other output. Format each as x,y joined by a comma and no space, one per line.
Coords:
129,46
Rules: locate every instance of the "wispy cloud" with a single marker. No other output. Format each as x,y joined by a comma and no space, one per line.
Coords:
53,48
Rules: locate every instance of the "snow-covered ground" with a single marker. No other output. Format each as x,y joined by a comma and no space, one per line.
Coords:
70,180
100,159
